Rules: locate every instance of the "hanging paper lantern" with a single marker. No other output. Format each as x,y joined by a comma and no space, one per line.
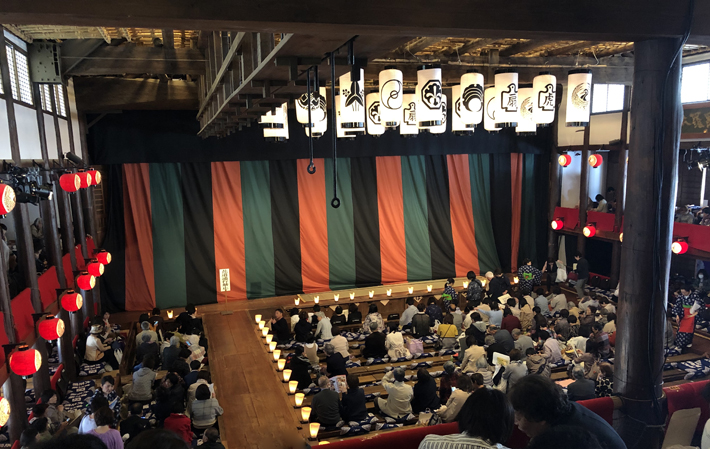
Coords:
507,91
51,328
589,231
95,268
472,98
7,194
408,127
489,120
526,124
85,281
557,224
544,98
429,97
95,177
25,361
341,132
103,256
679,247
318,108
72,301
391,95
595,160
564,160
458,127
352,103
441,129
4,411
373,118
70,182
275,124
85,179
319,114
579,92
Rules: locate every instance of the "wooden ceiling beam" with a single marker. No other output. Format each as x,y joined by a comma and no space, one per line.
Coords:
412,48
168,38
524,47
471,47
111,94
130,59
104,34
571,49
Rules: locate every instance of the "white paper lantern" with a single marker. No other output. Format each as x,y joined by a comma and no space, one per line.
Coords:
526,124
489,118
276,124
352,103
441,129
373,117
472,105
319,114
429,92
507,91
340,131
579,93
458,127
408,127
391,95
544,98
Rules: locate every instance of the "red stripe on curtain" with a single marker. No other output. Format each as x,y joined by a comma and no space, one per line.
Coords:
229,228
140,281
516,193
313,217
461,210
393,247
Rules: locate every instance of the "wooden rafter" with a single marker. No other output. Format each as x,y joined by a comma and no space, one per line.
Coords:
471,47
104,34
570,49
525,47
18,32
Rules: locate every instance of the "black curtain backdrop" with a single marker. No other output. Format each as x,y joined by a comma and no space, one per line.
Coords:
501,207
285,227
441,237
366,220
113,281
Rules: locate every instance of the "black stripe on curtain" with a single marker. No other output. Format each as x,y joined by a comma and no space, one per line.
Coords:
113,281
200,276
528,224
441,238
501,207
285,225
366,219
542,193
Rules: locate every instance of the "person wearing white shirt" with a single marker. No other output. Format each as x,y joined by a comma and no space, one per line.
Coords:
324,329
559,301
602,205
399,395
340,343
551,349
408,314
395,345
451,410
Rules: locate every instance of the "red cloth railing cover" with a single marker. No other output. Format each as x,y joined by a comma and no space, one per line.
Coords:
698,236
68,275
80,263
604,221
569,215
90,246
685,396
56,376
48,285
22,313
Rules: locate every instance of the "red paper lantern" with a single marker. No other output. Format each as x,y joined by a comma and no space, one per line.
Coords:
7,199
589,231
85,178
72,301
595,160
51,329
679,247
70,182
564,160
103,256
95,268
85,281
557,224
95,177
25,361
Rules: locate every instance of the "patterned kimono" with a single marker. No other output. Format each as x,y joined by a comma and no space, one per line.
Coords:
528,277
686,327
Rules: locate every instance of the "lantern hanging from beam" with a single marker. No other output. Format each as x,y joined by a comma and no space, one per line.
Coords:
408,126
595,160
51,328
7,199
590,230
320,120
579,92
103,256
489,120
429,97
391,95
341,132
85,179
440,129
458,127
318,108
526,124
506,83
352,102
95,268
472,104
544,98
95,176
85,281
275,124
72,301
564,160
373,117
70,182
4,411
25,361
557,224
680,246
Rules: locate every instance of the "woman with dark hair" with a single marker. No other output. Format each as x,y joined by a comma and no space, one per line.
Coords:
373,316
299,365
353,406
449,296
354,314
205,409
566,436
434,311
338,319
104,420
424,392
450,411
303,329
605,380
447,332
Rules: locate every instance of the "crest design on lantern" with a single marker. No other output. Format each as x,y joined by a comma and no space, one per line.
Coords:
431,94
457,107
526,109
318,105
546,98
490,111
410,114
472,98
580,96
353,97
391,94
374,112
509,98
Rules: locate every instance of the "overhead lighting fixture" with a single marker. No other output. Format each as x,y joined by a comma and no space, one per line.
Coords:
71,301
472,104
373,116
275,124
319,112
590,230
51,329
7,199
526,124
506,84
429,97
680,246
391,97
70,182
579,92
341,133
352,103
409,124
440,129
458,127
544,98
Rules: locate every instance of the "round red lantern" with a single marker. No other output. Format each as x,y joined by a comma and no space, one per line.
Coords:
4,411
564,160
103,256
25,361
95,268
7,199
595,160
95,177
679,247
557,224
51,328
72,301
590,230
85,178
70,182
85,281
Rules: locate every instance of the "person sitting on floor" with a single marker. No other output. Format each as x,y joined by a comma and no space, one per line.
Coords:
294,314
107,390
143,380
187,321
205,409
157,320
600,346
510,321
503,337
558,300
373,316
134,424
425,397
325,406
87,422
471,355
325,329
354,314
180,366
375,346
310,349
28,438
495,315
104,419
485,370
455,312
96,351
536,363
171,353
353,406
338,319
399,395
191,377
179,423
300,367
492,346
550,348
203,378
280,328
448,333
340,343
162,406
176,388
420,322
145,330
450,411
147,347
605,382
303,329
448,380
335,363
434,312
395,344
406,319
210,439
610,326
515,370
55,412
522,342
573,327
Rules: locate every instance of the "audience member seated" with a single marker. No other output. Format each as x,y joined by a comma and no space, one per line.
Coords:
317,313
158,439
197,352
191,377
175,387
203,378
280,328
41,425
447,332
510,321
478,328
582,388
28,438
550,348
448,379
485,422
420,322
515,370
485,370
55,412
205,409
311,351
147,348
132,426
145,330
399,400
425,397
300,367
143,380
558,300
335,363
340,343
512,304
503,337
526,312
610,326
600,342
303,329
495,315
406,319
471,355
589,301
562,326
179,423
87,422
354,315
537,363
210,439
187,321
181,367
540,405
97,352
493,346
434,312
324,330
171,353
522,342
450,411
567,436
107,390
157,321
455,312
338,319
353,406
161,408
294,314
605,381
373,316
375,343
104,419
395,344
325,406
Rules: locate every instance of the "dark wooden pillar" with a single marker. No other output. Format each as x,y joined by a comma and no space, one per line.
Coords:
646,251
583,191
554,199
621,187
13,389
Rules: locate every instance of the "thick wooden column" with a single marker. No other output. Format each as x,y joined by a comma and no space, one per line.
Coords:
13,389
554,199
648,225
621,187
583,192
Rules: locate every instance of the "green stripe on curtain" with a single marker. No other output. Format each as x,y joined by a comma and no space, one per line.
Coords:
168,235
341,227
416,218
480,168
528,230
258,236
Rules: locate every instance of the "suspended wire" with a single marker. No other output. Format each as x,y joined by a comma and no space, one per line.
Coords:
335,202
311,166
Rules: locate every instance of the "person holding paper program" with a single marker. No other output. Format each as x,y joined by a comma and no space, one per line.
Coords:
687,305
